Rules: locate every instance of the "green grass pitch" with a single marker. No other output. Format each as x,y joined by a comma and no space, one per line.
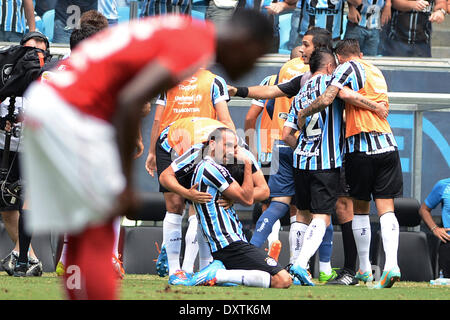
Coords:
152,287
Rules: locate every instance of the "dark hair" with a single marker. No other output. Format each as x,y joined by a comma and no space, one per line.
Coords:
93,18
79,35
218,133
348,47
35,35
320,58
321,37
237,171
257,24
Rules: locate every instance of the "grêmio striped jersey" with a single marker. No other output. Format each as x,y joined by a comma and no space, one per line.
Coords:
321,141
220,226
327,14
12,16
365,131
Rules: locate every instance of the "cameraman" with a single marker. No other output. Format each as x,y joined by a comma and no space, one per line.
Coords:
10,206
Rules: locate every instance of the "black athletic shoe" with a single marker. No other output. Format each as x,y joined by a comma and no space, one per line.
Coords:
20,270
9,262
344,278
34,268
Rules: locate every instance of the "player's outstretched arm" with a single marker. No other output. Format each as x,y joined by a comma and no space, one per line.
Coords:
288,136
256,92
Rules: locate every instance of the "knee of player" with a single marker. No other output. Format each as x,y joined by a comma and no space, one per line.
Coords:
281,280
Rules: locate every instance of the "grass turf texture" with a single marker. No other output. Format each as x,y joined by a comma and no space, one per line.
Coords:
152,287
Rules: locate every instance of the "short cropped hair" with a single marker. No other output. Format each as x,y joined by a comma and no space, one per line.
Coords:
320,58
94,19
348,47
79,35
321,37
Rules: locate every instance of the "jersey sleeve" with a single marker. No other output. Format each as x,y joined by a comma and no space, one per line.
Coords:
292,87
219,90
292,119
435,197
348,74
216,176
185,164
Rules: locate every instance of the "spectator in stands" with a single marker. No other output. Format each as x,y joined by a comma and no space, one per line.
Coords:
439,195
94,19
157,7
15,17
67,17
323,14
220,10
273,9
42,6
409,32
109,9
364,23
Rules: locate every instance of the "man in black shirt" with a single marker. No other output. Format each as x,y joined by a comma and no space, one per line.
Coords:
67,16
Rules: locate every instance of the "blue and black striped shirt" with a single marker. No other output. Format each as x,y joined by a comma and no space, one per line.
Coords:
321,141
220,226
12,16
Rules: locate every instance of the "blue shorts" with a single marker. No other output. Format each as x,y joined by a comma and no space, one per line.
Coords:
281,181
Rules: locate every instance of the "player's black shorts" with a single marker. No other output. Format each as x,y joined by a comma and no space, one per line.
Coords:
377,175
316,190
245,256
343,189
13,175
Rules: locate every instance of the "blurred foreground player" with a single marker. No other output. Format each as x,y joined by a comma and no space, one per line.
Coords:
82,125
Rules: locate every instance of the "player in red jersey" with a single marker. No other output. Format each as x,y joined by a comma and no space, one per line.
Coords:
81,127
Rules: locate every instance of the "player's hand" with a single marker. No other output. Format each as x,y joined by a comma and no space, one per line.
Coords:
420,5
197,196
139,149
385,15
150,164
225,203
382,110
441,234
231,90
241,155
276,7
437,16
353,15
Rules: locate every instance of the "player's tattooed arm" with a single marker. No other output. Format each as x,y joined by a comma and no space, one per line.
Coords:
358,100
318,105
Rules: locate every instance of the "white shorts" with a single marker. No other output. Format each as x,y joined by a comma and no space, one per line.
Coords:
71,165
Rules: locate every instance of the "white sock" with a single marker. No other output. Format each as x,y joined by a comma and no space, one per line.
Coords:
296,234
204,252
62,259
274,234
362,234
191,245
325,267
172,240
390,233
311,241
250,278
116,227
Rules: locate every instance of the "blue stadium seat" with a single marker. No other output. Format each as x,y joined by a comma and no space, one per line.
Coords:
48,19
